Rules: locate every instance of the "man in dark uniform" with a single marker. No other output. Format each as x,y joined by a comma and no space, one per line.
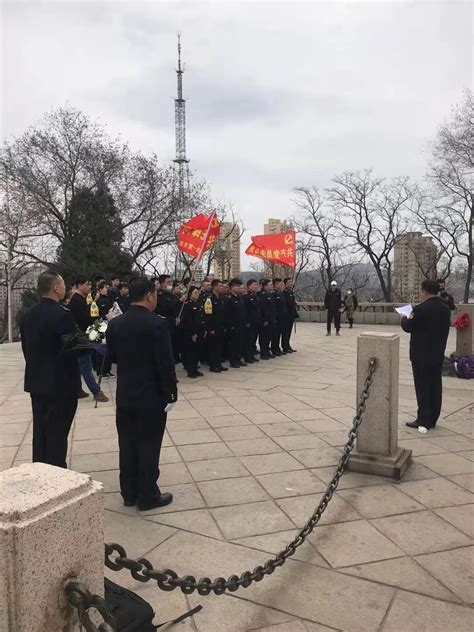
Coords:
291,315
253,321
123,300
281,317
168,306
192,328
235,323
333,304
428,325
140,344
266,299
215,327
52,375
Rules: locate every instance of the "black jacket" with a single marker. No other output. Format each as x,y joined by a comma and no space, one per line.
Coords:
192,319
168,306
104,303
291,306
140,344
253,317
124,303
448,300
80,310
49,371
235,312
429,329
267,306
280,306
217,320
333,300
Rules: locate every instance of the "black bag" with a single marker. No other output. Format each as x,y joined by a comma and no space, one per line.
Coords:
131,612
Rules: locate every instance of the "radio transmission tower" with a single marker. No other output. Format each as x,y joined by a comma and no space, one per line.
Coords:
181,163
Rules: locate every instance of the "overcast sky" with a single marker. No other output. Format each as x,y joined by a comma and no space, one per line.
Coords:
279,94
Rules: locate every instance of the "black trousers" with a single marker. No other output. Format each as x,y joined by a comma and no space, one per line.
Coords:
214,348
337,320
52,419
140,434
266,333
250,341
191,354
277,334
286,334
235,344
429,392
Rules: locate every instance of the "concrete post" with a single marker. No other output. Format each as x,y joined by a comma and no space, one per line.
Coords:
51,529
377,442
465,337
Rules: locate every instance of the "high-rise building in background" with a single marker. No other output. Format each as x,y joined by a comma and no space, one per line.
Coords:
415,258
273,227
227,251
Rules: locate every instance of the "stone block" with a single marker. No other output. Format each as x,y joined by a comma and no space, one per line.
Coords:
51,529
465,337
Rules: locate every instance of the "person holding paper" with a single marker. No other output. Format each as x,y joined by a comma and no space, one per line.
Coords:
140,344
428,325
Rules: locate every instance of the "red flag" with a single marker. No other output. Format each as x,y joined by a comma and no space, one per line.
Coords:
198,234
279,248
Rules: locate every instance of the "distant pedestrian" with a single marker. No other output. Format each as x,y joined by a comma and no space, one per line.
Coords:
281,317
333,304
235,319
266,298
428,325
445,296
350,305
52,374
253,321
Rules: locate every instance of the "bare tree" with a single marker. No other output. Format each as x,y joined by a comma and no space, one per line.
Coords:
448,212
371,213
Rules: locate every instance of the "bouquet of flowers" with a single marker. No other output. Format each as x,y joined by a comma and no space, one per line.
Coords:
96,332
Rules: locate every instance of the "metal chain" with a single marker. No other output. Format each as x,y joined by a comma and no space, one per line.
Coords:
142,570
80,598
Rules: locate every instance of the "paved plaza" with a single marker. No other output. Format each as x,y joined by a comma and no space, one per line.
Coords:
247,455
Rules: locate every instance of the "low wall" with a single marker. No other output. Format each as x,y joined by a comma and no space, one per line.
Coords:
365,314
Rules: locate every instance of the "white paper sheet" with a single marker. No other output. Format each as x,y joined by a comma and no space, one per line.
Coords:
405,310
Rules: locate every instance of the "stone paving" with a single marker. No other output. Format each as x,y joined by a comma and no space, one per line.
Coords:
247,455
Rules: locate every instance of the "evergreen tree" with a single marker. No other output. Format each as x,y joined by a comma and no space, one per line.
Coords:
93,243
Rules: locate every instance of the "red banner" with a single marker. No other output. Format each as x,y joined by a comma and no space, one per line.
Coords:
279,248
198,234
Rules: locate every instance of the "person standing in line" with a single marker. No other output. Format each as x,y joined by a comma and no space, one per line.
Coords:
81,313
428,325
114,290
193,328
168,306
350,305
235,323
445,296
333,304
52,375
139,342
281,320
104,301
292,314
266,299
253,321
215,327
123,300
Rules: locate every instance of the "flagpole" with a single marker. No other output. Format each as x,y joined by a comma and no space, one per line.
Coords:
199,257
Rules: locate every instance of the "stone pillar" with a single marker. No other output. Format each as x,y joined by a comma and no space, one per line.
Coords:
465,337
377,442
51,529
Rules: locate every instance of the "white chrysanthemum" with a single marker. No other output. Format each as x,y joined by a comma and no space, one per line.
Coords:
103,327
93,335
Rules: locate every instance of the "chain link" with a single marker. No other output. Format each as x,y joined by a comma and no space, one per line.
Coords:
167,580
80,598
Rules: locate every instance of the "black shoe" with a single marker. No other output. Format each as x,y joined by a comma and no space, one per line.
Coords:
255,359
290,350
412,424
129,502
215,369
264,357
161,501
284,352
234,365
243,363
199,374
223,368
193,375
277,353
249,361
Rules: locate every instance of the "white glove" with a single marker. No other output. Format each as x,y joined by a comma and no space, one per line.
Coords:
169,407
